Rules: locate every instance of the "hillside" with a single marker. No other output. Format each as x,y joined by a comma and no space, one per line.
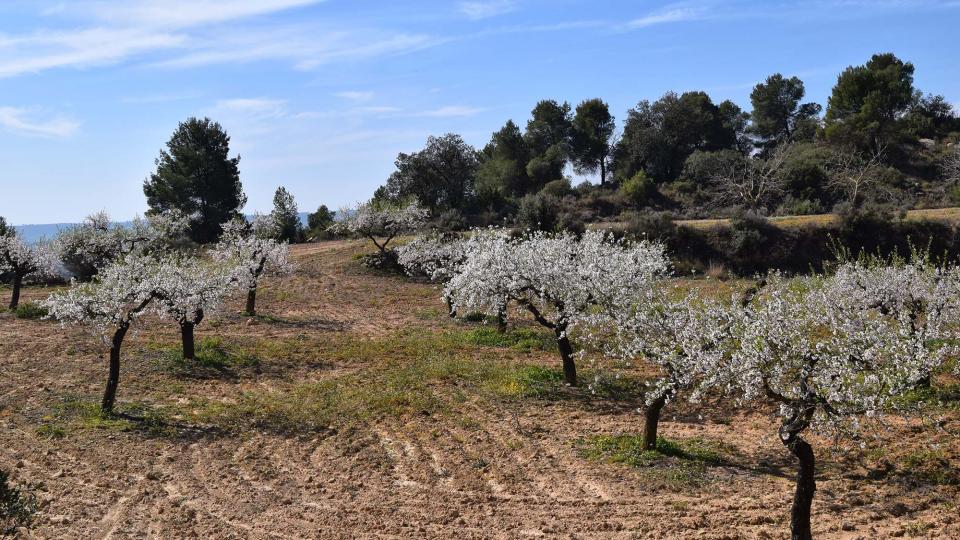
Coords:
355,407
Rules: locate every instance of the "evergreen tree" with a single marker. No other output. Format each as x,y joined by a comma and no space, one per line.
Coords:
286,217
196,176
592,128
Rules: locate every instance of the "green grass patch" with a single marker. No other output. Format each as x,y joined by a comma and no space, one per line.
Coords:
212,356
927,467
523,339
76,413
29,310
410,373
675,463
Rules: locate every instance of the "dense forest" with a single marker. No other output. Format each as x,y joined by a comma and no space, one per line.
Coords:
879,145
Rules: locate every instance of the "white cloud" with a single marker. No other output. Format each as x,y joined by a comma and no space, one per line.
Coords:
451,111
185,13
668,15
355,95
45,50
306,48
477,10
255,107
189,33
18,120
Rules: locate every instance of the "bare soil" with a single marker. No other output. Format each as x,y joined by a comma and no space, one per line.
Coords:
490,468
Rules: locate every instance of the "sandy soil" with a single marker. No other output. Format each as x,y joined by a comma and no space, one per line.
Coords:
494,470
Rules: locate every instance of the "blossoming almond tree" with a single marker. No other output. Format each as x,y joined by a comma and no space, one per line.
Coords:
22,262
120,294
373,221
97,242
686,336
189,290
436,256
555,278
835,350
252,256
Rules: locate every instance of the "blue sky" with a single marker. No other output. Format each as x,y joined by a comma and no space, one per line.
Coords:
320,96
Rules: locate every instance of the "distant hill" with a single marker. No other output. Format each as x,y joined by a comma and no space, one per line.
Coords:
47,231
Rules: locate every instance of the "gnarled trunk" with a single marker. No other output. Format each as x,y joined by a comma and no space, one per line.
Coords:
17,283
652,423
186,337
566,354
251,301
806,486
502,320
452,311
113,379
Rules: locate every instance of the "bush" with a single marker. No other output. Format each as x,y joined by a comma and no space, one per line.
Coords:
557,188
451,220
799,207
16,507
539,212
29,310
638,189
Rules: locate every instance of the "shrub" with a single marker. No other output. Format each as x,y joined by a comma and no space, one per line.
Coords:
16,507
451,220
638,189
29,310
557,188
539,212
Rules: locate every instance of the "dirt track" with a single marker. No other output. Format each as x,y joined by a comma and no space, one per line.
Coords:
500,470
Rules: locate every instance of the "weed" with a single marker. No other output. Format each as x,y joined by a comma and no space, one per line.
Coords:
17,506
677,464
29,310
523,339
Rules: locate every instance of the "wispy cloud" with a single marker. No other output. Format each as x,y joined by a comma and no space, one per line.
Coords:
477,9
190,33
21,121
182,13
305,48
257,107
666,15
451,111
354,95
45,50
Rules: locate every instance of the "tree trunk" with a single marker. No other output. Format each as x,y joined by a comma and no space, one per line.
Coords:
113,379
502,320
452,311
15,298
186,336
652,423
806,486
252,301
603,170
566,353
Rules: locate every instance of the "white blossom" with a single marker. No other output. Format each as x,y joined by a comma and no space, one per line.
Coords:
251,256
832,349
560,279
437,256
374,221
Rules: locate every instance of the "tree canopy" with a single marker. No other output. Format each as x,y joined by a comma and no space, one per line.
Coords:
440,177
778,116
196,175
592,128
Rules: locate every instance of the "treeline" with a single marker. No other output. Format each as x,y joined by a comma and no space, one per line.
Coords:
879,142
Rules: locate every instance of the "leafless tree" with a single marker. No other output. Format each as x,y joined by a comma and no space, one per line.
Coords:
951,165
753,182
853,174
